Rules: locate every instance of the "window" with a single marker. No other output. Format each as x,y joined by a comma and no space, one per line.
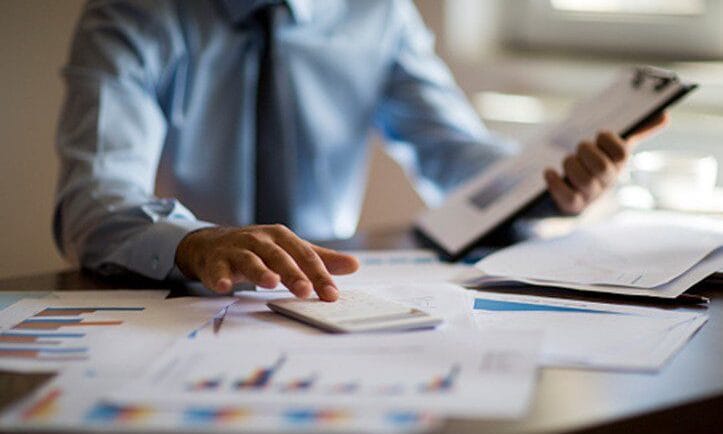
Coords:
650,7
670,29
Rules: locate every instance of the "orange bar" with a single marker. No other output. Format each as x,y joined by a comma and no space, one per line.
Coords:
19,354
49,325
24,340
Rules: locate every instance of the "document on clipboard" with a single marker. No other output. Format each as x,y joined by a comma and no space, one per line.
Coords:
482,204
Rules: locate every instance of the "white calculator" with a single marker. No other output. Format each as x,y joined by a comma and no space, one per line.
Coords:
354,312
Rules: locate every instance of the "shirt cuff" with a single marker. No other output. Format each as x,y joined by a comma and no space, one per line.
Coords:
155,252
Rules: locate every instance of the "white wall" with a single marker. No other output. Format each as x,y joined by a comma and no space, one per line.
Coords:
34,38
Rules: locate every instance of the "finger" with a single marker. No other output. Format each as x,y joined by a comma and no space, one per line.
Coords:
337,262
310,263
613,146
650,127
284,265
597,163
218,277
582,180
253,269
566,199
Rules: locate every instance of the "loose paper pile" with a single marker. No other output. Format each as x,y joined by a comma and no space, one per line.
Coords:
632,255
132,361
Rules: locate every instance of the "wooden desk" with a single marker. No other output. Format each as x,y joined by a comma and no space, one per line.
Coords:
686,396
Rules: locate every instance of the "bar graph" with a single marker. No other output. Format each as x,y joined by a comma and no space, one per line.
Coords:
45,353
299,385
75,311
58,323
55,318
210,415
45,408
112,413
46,335
442,383
37,338
261,377
315,416
206,384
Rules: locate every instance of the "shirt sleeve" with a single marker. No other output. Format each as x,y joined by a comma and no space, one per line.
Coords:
432,129
109,140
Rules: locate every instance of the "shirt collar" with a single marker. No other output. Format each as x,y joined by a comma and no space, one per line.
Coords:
240,10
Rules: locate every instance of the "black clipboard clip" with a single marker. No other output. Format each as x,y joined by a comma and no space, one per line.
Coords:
662,77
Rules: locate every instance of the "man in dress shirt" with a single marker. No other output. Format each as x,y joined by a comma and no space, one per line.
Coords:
255,116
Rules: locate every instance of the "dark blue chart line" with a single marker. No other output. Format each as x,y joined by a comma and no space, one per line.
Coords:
514,306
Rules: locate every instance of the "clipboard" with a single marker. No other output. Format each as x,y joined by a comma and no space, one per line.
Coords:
512,186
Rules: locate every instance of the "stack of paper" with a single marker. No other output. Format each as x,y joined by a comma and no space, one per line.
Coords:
135,362
631,255
591,335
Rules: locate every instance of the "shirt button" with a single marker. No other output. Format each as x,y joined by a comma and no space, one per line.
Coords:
155,261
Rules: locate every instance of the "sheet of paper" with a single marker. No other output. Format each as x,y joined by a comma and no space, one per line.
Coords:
591,335
113,336
401,267
672,289
639,254
73,402
249,315
156,294
8,298
463,375
385,267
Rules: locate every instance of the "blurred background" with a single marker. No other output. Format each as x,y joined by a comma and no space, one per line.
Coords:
521,62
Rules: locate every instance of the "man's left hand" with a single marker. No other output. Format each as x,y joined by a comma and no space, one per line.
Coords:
594,167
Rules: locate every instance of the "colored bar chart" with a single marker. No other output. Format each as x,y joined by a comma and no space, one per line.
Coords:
45,408
56,324
299,385
314,416
514,306
214,415
111,413
37,338
44,353
442,383
261,377
75,311
55,318
41,337
206,384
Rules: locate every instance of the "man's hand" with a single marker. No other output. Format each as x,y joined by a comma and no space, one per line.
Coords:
593,168
264,255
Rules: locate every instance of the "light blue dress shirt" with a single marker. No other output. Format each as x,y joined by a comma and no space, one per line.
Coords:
156,136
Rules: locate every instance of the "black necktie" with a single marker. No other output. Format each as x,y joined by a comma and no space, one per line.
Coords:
275,155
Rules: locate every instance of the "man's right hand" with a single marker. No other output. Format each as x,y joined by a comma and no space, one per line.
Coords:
264,255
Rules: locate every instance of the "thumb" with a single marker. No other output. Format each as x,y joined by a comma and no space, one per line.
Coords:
337,262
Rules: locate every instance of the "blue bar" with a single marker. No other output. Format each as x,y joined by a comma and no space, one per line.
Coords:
67,320
44,335
96,308
46,349
513,306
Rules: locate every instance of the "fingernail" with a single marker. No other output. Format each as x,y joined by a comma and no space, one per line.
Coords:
330,293
223,285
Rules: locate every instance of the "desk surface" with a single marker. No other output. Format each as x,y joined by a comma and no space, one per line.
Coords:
686,396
